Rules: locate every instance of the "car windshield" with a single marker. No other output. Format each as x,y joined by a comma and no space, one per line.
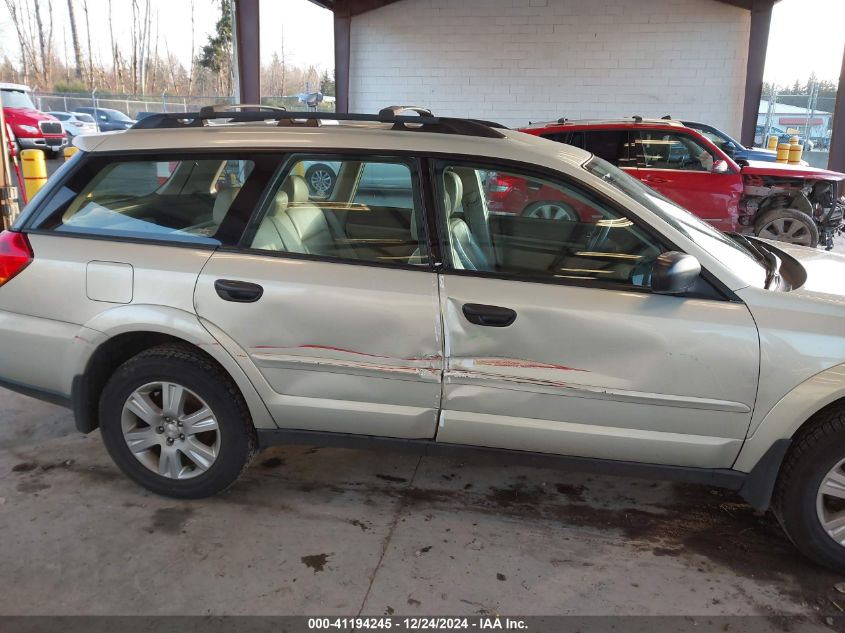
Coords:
17,99
732,255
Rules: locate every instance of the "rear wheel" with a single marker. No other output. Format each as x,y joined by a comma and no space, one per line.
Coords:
175,423
810,495
787,225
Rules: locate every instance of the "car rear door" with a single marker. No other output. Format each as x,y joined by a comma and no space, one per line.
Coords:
681,168
330,304
555,343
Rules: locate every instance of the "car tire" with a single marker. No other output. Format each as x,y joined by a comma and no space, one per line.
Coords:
201,441
787,225
817,456
321,180
550,210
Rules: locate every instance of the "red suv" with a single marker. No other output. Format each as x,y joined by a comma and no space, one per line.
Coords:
790,203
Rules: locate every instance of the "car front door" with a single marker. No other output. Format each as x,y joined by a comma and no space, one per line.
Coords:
330,304
556,344
696,176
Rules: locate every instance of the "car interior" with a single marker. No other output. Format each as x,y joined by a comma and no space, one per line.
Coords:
611,247
357,221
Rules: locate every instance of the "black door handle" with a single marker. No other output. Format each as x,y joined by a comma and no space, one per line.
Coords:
491,316
238,291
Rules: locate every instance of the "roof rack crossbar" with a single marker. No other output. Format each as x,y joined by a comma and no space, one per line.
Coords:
423,122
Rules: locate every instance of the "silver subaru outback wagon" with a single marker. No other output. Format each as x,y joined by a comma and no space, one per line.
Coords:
185,291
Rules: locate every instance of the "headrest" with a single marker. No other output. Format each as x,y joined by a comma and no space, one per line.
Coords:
296,188
454,191
222,202
279,204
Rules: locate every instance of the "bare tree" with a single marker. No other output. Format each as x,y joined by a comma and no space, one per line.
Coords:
90,54
77,51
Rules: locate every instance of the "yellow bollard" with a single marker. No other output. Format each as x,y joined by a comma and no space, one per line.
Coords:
795,153
793,140
773,142
34,171
783,153
69,151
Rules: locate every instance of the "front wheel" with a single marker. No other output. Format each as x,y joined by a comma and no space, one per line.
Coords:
176,424
787,225
810,494
551,210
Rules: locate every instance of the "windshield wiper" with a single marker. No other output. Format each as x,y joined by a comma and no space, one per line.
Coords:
770,261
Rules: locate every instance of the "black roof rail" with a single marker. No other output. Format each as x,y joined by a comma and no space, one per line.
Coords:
637,118
422,121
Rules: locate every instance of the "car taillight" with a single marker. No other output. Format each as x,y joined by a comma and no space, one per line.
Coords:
15,254
76,124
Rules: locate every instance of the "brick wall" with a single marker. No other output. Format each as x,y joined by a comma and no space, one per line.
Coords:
520,60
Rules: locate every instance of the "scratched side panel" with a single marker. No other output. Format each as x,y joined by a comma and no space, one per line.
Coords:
599,373
334,347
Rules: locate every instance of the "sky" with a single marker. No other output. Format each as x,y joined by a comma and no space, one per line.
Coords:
307,28
307,32
806,36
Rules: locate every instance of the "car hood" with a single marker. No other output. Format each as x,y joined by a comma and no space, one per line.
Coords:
759,153
760,168
825,272
26,115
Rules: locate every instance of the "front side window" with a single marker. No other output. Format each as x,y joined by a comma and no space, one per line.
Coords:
511,223
659,149
369,211
722,247
183,199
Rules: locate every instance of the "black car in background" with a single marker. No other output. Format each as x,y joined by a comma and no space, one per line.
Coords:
108,120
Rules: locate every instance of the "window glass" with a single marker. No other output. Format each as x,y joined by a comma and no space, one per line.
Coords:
349,208
659,149
722,247
611,145
171,200
507,222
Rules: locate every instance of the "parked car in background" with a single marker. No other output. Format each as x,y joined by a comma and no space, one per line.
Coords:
108,120
199,303
731,146
790,203
32,128
75,124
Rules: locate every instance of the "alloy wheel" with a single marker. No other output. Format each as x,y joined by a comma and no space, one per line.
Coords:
170,430
786,230
550,211
321,182
830,503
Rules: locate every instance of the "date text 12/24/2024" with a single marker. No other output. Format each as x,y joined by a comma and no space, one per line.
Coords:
417,623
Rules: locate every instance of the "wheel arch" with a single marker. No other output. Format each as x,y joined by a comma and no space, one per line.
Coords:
126,335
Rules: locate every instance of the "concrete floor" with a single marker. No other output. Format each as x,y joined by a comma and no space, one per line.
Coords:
330,531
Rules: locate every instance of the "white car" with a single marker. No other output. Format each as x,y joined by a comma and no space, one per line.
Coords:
76,124
181,289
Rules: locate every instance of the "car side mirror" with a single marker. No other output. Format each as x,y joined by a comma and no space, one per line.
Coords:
674,273
720,167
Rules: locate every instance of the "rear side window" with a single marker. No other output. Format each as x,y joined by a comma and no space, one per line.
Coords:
611,145
177,199
358,209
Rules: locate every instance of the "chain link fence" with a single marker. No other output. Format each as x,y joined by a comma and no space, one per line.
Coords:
136,105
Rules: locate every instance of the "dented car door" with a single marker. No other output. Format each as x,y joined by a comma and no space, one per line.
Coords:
331,307
555,344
